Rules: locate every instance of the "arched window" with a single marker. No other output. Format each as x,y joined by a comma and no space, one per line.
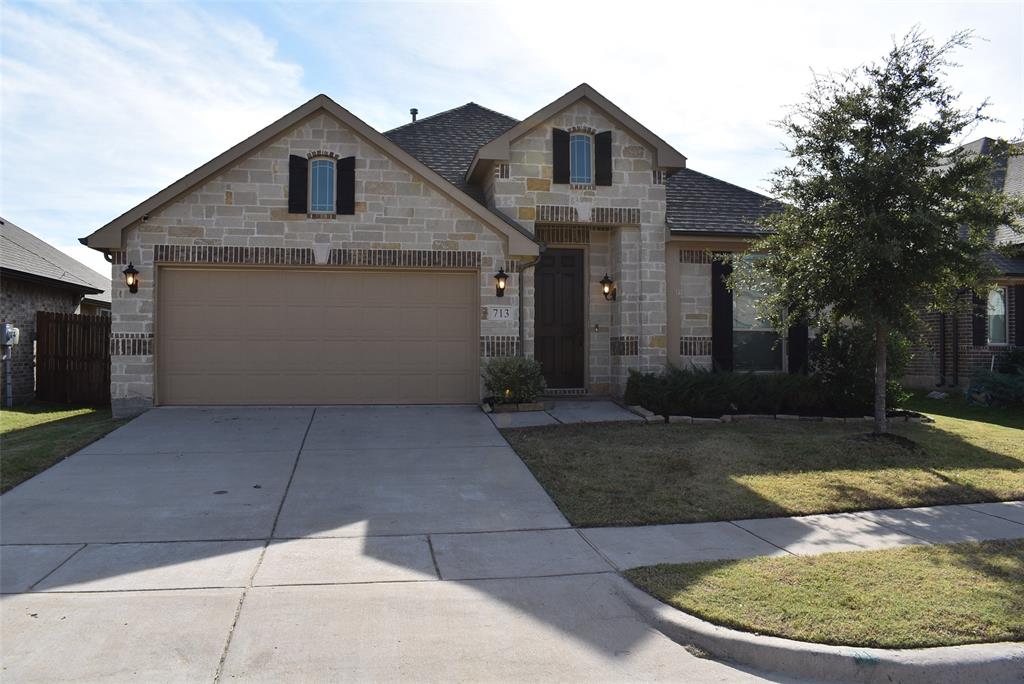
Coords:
321,186
581,159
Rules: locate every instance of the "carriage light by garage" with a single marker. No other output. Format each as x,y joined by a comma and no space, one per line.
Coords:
608,288
131,278
500,280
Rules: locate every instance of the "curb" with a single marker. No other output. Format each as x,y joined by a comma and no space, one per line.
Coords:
1001,663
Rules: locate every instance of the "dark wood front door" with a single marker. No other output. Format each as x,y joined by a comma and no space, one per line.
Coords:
559,317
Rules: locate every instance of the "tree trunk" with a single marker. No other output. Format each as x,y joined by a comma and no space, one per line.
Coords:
881,349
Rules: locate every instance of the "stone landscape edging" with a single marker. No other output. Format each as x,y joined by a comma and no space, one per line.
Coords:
999,663
651,417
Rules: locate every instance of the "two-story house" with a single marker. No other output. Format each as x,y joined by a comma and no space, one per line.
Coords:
323,262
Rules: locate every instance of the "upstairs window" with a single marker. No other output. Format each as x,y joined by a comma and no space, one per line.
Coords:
321,186
997,316
581,159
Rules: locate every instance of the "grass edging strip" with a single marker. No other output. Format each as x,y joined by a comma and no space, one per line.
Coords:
970,664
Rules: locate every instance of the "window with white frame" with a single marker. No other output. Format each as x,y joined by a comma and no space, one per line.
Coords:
756,345
581,158
321,186
997,319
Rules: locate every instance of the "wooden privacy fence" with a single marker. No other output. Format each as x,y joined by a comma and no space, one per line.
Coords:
72,358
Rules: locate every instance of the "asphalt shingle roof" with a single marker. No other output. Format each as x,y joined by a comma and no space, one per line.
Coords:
447,142
23,252
698,203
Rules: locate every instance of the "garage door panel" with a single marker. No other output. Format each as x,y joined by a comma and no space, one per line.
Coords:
316,336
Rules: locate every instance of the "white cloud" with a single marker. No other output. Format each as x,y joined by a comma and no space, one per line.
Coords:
104,105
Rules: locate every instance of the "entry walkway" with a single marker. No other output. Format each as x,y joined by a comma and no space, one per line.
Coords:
630,547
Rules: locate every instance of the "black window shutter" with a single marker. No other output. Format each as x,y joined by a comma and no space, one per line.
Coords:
721,317
1018,312
298,184
796,349
559,155
346,180
603,158
979,313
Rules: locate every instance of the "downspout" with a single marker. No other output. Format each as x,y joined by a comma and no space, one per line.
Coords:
942,349
522,300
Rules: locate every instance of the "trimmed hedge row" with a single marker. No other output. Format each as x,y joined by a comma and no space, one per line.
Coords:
710,394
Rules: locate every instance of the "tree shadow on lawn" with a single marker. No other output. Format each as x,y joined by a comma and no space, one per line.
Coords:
647,474
906,597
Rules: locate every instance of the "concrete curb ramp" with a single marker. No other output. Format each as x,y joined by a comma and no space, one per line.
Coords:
1001,663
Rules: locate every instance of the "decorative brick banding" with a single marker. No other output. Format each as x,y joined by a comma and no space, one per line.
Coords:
566,235
404,258
556,213
610,216
695,346
625,345
498,345
695,256
216,254
131,344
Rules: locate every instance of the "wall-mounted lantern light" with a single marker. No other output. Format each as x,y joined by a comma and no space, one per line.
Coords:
608,288
500,280
131,278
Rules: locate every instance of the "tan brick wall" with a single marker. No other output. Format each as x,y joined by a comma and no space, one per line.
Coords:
246,207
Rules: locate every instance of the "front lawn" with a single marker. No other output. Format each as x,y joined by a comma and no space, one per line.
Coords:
35,436
635,474
956,406
908,597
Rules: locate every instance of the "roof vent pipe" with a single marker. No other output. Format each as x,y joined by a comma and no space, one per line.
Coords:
414,112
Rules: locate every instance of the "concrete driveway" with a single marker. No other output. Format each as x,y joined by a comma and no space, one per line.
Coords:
302,544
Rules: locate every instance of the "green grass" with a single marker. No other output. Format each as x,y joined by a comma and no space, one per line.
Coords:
36,436
909,597
955,406
635,474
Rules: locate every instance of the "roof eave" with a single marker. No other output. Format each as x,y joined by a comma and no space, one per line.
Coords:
46,280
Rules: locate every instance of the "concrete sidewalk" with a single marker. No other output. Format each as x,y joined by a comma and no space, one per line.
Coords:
563,411
630,547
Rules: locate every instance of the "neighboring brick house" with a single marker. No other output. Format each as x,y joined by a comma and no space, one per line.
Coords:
320,261
981,330
35,276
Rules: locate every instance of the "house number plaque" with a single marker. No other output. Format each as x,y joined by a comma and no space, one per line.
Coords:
499,313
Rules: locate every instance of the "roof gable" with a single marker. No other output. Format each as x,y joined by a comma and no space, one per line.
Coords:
23,252
110,235
498,148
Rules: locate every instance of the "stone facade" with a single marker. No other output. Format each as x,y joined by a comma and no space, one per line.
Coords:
241,216
19,302
620,228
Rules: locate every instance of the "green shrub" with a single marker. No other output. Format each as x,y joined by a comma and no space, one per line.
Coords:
842,357
514,379
1013,362
709,394
997,389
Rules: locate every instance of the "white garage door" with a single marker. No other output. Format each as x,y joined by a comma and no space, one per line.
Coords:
316,336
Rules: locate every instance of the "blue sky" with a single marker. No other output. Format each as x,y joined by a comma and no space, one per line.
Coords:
103,104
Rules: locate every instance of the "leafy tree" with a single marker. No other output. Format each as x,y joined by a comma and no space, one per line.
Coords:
883,215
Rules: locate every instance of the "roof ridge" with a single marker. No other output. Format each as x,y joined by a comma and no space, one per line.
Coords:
449,111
